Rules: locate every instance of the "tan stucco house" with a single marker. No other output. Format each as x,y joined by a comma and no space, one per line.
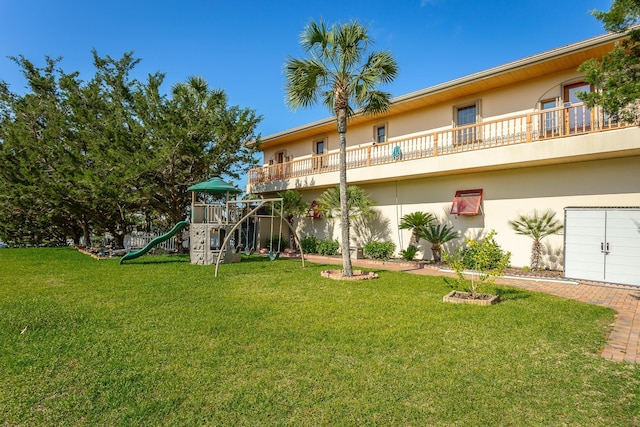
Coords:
475,151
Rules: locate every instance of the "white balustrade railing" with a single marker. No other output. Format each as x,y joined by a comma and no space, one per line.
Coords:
540,125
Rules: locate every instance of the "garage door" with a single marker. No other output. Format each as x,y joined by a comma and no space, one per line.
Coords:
602,244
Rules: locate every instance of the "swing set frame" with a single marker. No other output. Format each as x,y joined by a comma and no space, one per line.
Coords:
253,212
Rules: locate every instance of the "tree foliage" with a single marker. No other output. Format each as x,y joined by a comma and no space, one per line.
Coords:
616,77
82,157
413,221
359,203
343,75
485,257
291,207
437,235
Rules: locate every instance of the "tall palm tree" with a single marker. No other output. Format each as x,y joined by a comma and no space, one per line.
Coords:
413,221
343,76
537,226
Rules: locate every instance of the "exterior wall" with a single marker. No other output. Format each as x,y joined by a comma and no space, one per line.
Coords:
507,193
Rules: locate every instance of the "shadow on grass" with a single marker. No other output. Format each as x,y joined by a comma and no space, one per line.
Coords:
158,259
509,294
256,259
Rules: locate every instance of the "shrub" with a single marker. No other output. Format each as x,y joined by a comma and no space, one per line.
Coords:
309,245
276,243
379,250
410,253
328,247
484,254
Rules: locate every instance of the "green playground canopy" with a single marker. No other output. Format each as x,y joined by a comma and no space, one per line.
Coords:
215,185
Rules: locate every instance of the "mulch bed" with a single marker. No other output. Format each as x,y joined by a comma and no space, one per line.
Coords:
541,274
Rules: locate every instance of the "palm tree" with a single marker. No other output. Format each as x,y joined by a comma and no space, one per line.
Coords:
359,203
413,221
437,235
537,227
292,206
343,76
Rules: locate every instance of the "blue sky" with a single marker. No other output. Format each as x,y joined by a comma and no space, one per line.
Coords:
240,46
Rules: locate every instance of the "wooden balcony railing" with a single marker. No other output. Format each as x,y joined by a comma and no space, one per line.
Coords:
540,125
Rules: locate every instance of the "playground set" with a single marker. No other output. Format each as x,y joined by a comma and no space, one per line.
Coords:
220,232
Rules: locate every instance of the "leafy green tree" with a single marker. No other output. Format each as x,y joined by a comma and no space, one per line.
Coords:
616,77
114,151
293,206
37,161
195,135
437,235
537,226
413,221
343,76
77,157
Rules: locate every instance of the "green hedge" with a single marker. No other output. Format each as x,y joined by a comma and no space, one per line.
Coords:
379,250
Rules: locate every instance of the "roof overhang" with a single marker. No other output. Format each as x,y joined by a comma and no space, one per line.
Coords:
568,57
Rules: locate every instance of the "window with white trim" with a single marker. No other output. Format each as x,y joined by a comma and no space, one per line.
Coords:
380,134
466,115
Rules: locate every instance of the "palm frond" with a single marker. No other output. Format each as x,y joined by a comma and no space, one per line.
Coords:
537,226
359,202
340,72
437,234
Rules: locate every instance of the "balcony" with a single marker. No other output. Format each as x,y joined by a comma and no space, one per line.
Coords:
548,124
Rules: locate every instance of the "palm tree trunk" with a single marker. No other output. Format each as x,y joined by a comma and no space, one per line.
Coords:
347,268
536,255
437,253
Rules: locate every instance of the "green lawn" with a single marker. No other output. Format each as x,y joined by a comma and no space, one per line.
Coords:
159,341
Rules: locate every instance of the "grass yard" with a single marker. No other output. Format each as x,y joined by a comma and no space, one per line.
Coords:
159,341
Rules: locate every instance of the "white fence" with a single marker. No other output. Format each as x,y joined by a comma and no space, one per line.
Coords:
139,240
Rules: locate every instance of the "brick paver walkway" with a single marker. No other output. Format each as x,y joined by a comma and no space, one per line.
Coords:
623,343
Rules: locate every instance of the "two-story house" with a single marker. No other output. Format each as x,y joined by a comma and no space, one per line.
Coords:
476,152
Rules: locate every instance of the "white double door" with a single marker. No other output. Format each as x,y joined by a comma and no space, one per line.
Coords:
603,244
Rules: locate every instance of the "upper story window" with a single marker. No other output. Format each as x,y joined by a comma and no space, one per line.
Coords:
319,147
550,121
465,115
380,134
579,117
548,104
279,157
571,90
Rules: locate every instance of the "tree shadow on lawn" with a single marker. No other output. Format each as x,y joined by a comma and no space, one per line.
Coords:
507,294
159,259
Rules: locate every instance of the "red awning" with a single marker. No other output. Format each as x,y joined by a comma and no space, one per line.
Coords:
467,202
314,210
